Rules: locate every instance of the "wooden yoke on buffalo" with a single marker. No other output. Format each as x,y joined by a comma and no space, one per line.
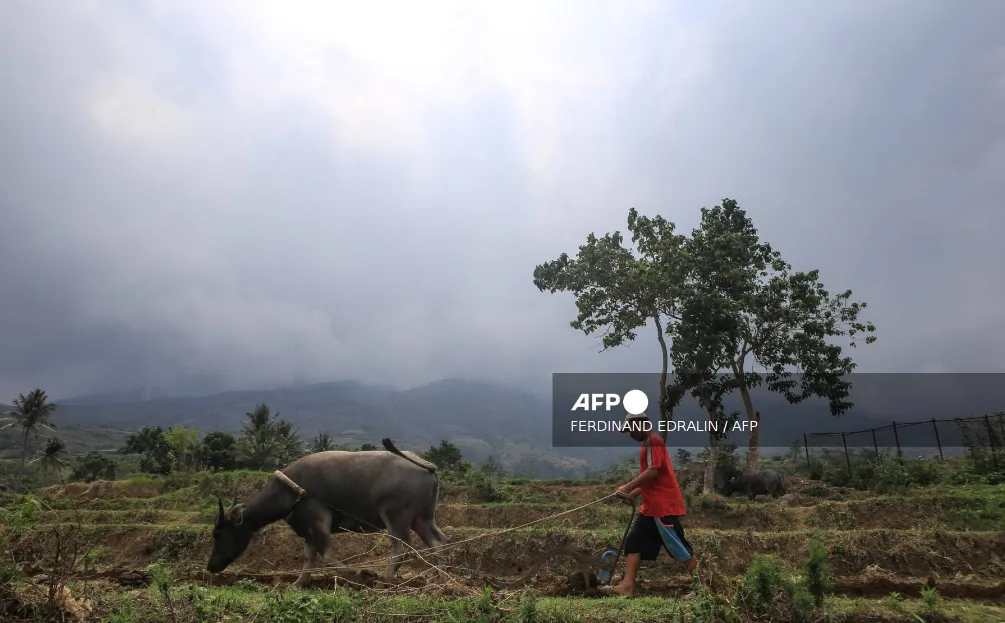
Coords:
283,478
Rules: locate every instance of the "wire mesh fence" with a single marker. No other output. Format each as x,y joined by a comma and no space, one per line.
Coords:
946,438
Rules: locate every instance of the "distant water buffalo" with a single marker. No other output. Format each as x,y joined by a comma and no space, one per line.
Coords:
766,482
692,476
365,492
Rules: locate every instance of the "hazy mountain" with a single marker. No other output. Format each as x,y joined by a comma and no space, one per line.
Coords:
515,426
483,419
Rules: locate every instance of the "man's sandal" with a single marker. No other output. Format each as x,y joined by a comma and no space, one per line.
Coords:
609,591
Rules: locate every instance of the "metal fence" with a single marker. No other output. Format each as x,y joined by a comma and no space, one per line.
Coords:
986,431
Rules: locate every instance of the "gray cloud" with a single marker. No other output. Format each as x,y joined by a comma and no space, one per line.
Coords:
195,194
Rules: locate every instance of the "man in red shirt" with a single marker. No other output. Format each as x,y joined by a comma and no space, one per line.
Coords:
658,524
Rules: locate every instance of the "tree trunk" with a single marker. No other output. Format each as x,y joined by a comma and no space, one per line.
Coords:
713,458
753,446
24,454
664,415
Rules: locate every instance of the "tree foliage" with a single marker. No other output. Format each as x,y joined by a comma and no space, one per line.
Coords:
51,456
94,466
447,457
218,451
184,447
31,413
322,442
723,301
154,450
619,290
267,441
291,447
745,306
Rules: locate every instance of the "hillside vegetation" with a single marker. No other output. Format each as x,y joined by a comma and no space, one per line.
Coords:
934,552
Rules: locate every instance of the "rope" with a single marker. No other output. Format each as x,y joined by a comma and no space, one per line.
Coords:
301,493
441,548
447,546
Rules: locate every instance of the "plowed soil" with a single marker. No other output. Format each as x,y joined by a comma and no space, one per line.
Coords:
876,545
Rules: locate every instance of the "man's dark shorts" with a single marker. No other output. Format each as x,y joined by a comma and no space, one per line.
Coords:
647,538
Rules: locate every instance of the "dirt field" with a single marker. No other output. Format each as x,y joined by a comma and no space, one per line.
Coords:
949,539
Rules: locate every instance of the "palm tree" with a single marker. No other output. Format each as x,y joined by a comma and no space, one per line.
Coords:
260,444
290,446
322,443
51,456
30,413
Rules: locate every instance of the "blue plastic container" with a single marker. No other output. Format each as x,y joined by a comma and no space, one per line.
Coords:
607,557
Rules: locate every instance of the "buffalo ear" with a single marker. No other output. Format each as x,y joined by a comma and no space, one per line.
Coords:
237,514
222,517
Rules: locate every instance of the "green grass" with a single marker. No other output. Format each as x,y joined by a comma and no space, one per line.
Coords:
945,532
189,603
976,509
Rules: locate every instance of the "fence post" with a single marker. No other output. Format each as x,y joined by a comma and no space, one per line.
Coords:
806,445
847,460
991,441
937,440
874,444
896,438
1001,424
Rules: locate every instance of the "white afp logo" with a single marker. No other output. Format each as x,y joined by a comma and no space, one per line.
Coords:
634,402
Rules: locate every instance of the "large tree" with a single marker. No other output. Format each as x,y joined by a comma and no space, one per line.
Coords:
153,448
185,448
759,312
218,451
619,290
291,447
699,356
322,442
258,446
51,456
268,441
447,457
31,413
93,466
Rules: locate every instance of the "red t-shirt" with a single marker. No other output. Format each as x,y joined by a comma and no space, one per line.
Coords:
662,496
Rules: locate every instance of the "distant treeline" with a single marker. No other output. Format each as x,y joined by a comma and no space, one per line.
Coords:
266,442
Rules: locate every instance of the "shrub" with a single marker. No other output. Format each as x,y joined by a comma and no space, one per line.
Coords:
767,592
760,582
94,466
482,487
727,459
924,472
930,597
894,602
817,573
816,469
816,491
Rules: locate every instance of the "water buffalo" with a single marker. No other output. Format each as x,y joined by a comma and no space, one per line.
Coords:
365,492
722,480
767,482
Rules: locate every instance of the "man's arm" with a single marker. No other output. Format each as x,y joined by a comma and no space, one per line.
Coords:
642,480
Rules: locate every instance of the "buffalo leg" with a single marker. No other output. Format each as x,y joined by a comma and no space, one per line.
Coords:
430,535
319,541
328,557
428,532
305,576
400,541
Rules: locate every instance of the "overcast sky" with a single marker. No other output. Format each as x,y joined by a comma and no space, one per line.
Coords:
274,192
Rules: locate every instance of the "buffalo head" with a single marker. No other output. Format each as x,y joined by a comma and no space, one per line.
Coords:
230,537
730,486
